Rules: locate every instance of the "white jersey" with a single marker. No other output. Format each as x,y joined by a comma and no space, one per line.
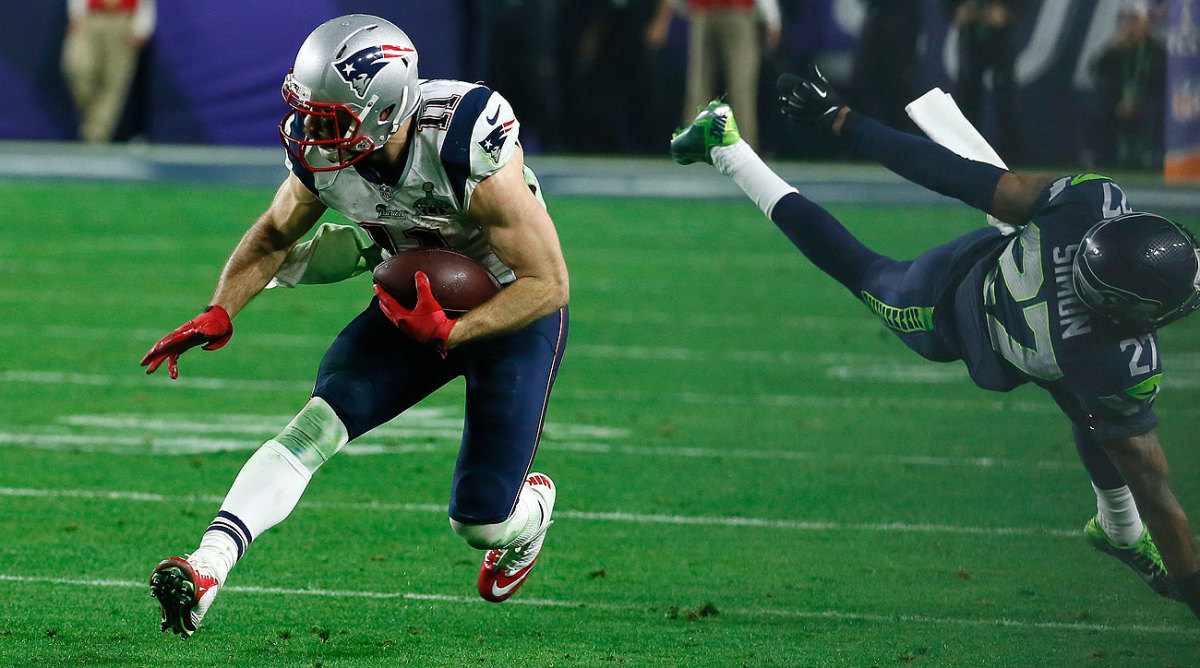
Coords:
463,133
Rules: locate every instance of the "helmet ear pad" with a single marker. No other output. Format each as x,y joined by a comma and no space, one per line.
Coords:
1139,269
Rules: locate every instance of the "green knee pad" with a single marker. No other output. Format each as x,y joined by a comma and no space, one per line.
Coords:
314,435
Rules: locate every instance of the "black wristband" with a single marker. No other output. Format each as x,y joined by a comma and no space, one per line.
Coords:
1189,588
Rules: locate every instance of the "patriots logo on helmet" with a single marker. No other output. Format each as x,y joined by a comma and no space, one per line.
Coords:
494,142
359,68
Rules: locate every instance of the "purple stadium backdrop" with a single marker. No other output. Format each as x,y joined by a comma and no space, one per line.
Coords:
1183,93
213,69
216,75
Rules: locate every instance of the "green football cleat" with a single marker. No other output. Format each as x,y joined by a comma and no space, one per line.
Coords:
714,126
1142,557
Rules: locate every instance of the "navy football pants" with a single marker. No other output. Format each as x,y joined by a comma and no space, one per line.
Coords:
372,373
903,290
920,283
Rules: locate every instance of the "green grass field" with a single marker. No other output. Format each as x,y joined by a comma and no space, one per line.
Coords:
751,471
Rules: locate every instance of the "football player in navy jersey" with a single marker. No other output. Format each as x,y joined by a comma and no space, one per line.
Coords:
415,163
1071,301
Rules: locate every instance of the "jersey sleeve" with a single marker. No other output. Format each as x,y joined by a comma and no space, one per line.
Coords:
480,141
295,129
1088,198
1112,396
494,138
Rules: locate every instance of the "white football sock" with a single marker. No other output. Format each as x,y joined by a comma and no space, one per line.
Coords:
740,163
218,550
533,517
516,530
1118,515
263,494
270,484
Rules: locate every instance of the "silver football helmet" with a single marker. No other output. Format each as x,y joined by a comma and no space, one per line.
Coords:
352,86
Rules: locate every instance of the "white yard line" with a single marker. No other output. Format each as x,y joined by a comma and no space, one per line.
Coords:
641,608
611,516
801,455
178,433
447,441
667,320
137,379
156,445
979,400
440,422
899,368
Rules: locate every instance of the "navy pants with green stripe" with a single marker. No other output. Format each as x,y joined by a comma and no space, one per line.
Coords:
906,295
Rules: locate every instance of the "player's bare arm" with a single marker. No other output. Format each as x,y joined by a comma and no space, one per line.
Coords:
254,261
1141,461
1015,195
523,236
259,254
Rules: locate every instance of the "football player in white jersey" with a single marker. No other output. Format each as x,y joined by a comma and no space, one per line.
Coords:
415,164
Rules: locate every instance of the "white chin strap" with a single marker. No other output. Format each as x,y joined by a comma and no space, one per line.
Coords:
400,117
362,119
403,105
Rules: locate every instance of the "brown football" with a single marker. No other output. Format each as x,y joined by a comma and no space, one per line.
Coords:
458,282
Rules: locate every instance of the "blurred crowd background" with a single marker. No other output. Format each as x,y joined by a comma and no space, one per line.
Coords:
1048,81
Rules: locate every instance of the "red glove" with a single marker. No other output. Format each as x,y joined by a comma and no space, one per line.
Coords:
426,322
211,328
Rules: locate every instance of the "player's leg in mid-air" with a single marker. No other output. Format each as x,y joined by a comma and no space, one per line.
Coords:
370,374
902,293
263,494
496,503
1117,527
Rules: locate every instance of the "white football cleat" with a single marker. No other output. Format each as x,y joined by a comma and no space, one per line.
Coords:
505,569
184,589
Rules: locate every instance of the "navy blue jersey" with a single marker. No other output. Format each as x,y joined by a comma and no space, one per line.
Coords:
1017,319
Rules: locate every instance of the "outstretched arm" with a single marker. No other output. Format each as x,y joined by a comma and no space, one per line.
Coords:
1006,195
255,260
1141,461
263,248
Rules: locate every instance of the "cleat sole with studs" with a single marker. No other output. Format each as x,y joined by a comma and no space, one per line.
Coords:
176,594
